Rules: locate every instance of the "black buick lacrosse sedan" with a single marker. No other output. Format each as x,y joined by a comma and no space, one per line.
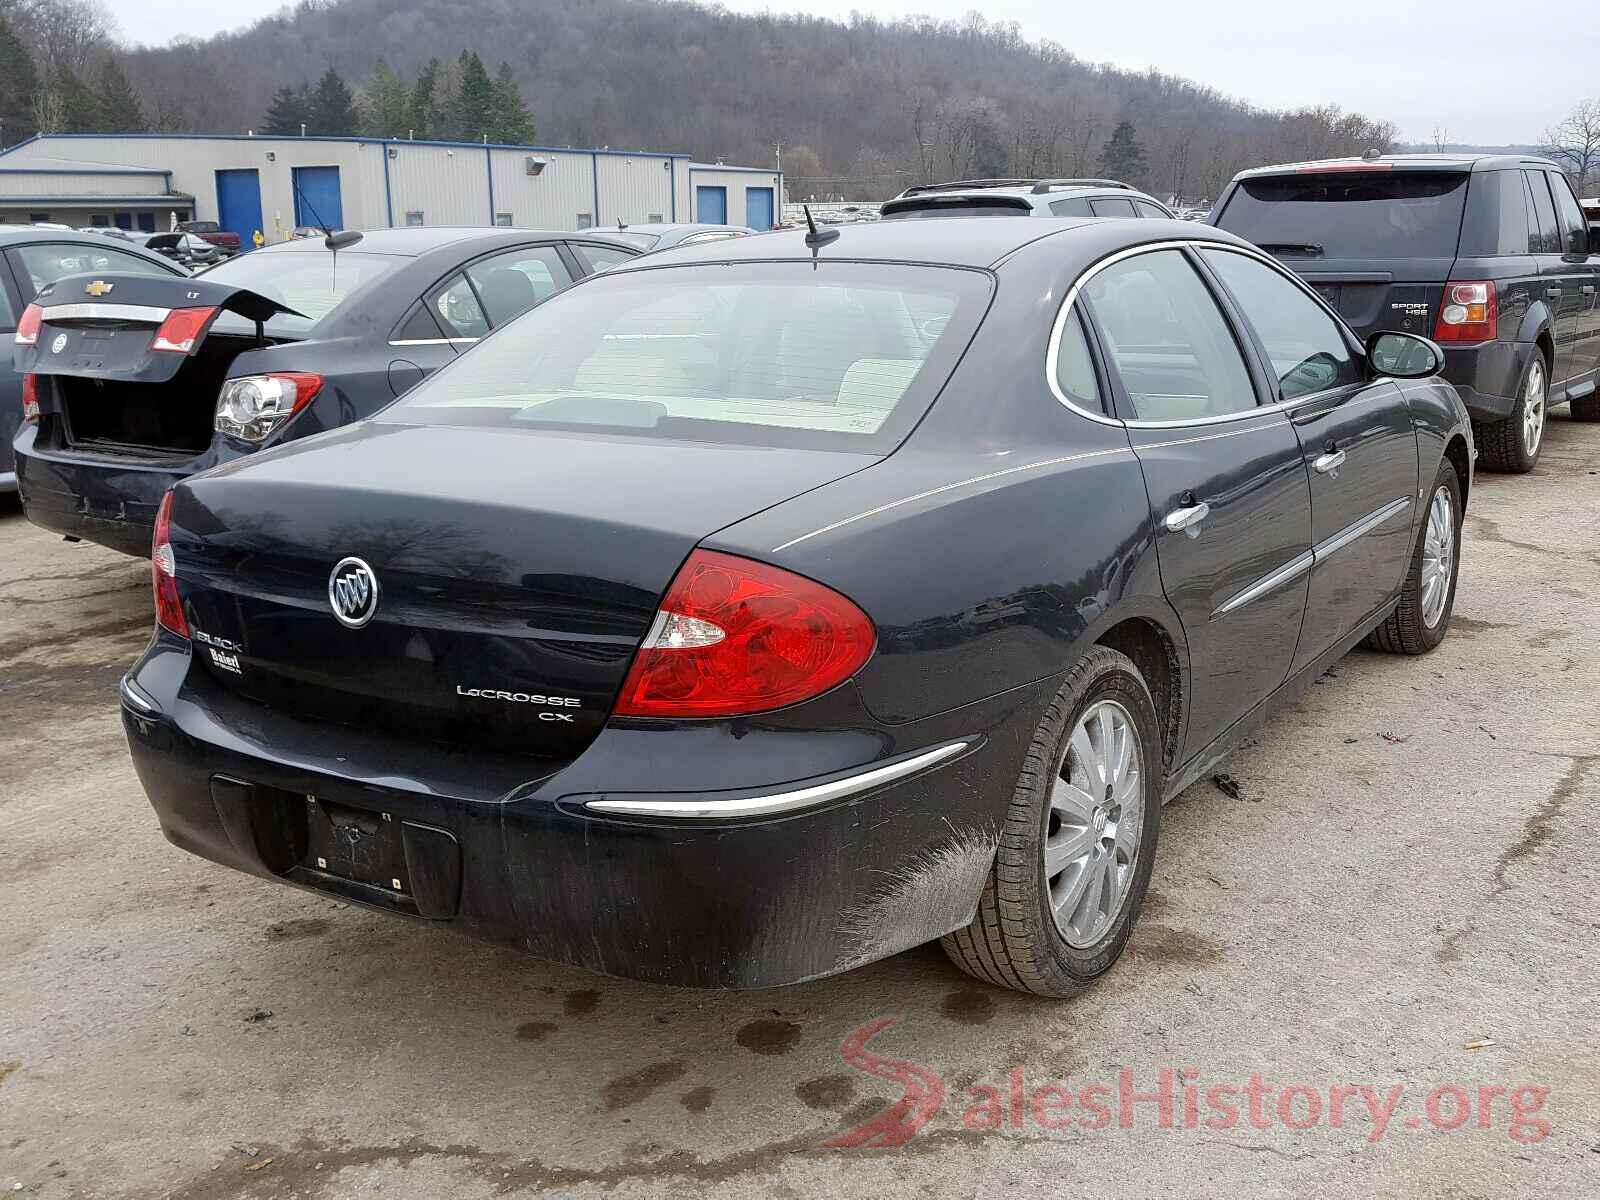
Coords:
757,610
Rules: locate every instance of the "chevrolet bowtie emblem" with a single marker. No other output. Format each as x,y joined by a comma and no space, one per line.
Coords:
97,288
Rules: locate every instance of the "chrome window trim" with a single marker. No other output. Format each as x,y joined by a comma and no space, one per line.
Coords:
461,341
1196,244
108,312
782,802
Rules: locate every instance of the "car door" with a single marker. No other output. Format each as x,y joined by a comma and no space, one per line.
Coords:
1579,290
1225,477
1357,439
1559,285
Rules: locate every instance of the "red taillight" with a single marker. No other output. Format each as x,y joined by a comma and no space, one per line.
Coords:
28,326
164,573
735,636
1468,312
30,397
182,329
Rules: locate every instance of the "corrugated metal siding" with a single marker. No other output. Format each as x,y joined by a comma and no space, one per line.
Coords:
634,189
551,199
735,180
23,183
448,186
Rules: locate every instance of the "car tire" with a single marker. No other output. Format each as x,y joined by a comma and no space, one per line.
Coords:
1586,408
1505,445
1017,939
1421,619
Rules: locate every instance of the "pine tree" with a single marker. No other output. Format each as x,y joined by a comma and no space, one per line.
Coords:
290,108
423,118
333,107
80,107
17,85
385,104
512,121
476,101
120,110
1122,157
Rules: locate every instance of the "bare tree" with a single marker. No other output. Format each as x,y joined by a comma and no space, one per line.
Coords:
1441,138
1575,144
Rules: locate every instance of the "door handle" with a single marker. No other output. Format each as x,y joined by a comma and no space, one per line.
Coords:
1187,520
1326,464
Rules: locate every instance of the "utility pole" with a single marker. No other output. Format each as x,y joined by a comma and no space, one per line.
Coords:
783,191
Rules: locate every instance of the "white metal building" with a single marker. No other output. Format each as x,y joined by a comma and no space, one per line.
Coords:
272,184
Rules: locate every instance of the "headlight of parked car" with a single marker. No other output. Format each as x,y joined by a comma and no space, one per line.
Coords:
252,406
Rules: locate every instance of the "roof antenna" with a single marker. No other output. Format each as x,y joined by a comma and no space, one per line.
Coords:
817,238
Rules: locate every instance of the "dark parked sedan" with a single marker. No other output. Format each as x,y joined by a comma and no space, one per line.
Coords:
142,382
30,258
755,611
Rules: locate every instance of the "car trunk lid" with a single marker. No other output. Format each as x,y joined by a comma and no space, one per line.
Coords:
516,572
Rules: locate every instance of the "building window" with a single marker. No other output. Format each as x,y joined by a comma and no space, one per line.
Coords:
41,218
413,218
100,220
585,220
503,220
656,219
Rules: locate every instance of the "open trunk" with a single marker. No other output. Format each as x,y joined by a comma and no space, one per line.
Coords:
516,573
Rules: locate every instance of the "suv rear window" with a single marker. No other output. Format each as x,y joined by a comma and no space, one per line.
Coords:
1387,214
957,206
836,355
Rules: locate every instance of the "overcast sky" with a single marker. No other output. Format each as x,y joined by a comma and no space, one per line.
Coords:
1469,67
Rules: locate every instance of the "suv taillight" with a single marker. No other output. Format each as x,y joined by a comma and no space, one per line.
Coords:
28,326
164,573
30,397
734,637
1468,312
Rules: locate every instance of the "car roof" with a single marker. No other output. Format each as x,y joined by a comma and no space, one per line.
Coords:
22,235
1404,162
972,242
415,241
668,227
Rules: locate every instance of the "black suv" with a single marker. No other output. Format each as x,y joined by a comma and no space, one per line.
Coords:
1488,255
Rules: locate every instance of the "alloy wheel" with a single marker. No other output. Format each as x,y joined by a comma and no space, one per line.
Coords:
1096,817
1533,397
1438,556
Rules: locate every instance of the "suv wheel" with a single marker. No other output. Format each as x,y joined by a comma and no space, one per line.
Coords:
1512,445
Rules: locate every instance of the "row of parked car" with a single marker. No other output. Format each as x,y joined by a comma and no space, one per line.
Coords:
732,610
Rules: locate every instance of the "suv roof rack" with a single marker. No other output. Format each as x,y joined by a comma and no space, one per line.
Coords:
1046,185
956,185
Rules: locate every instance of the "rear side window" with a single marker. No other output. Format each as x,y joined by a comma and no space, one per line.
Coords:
8,318
1111,206
602,258
1177,358
1497,216
1574,229
456,305
1072,206
1146,209
1309,354
1381,214
1543,235
1074,368
841,355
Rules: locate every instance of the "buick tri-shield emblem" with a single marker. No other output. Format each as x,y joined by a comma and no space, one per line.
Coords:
353,592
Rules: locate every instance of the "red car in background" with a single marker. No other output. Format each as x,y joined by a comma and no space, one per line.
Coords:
225,240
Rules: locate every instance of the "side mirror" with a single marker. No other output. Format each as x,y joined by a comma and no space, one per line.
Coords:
1404,355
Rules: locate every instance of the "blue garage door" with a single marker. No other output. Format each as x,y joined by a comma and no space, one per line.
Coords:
239,203
316,197
758,208
711,205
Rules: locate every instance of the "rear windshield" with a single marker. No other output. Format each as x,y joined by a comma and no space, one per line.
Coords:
312,282
957,206
1350,215
835,355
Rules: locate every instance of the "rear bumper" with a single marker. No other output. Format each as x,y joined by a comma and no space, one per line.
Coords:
1487,376
877,865
98,499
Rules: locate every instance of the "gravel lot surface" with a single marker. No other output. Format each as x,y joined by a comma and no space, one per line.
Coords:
1405,893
